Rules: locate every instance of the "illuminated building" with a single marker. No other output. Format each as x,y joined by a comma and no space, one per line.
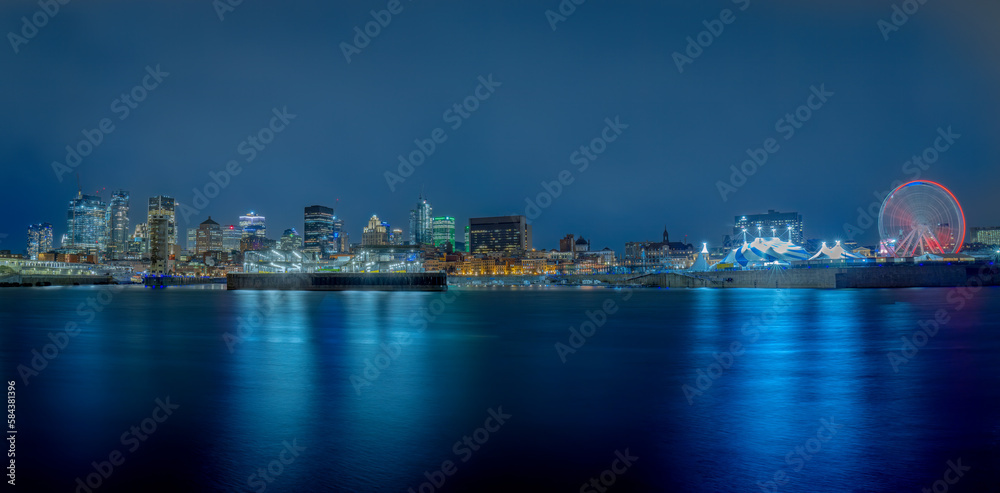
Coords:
986,236
87,224
375,233
163,205
290,240
396,236
772,224
159,227
118,225
443,231
39,239
231,236
319,234
208,237
253,224
421,223
192,240
507,234
660,254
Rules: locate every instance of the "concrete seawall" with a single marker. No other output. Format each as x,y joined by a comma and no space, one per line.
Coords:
906,276
339,282
816,277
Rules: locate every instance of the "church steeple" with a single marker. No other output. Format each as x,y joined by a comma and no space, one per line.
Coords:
666,236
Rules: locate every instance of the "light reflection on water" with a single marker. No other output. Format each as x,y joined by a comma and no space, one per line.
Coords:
822,355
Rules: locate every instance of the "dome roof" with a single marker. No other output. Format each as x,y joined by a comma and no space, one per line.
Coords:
581,241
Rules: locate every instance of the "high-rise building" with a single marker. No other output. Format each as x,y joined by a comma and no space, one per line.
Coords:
253,224
39,239
396,236
140,240
208,237
773,223
468,242
159,227
192,240
87,224
290,240
340,237
375,233
443,231
118,225
231,236
165,206
507,234
319,237
421,223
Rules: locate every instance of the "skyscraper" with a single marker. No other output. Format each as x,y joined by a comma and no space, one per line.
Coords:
208,237
159,227
231,236
340,237
253,224
118,225
396,236
375,233
443,231
39,239
319,237
87,224
421,223
165,206
508,234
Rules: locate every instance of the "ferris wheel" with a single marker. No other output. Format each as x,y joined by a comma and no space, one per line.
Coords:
921,217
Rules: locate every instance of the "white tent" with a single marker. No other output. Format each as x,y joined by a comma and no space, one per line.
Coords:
763,251
835,253
701,263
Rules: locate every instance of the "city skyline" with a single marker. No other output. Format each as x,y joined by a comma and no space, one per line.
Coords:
115,218
353,121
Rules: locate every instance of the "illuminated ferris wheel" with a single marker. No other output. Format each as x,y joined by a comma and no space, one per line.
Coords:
921,217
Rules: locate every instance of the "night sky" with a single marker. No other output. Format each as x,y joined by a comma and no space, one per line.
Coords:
556,88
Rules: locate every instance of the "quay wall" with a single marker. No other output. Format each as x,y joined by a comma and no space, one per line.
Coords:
330,281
